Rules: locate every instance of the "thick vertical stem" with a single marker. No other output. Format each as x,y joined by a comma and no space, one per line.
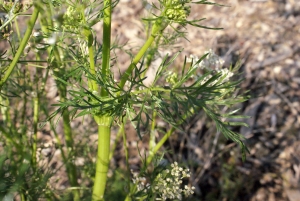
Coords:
102,164
104,121
106,43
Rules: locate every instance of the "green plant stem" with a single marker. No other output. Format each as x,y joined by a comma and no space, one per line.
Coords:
8,21
159,145
128,198
125,147
102,164
22,46
70,166
59,143
165,138
26,75
4,105
64,157
126,152
106,43
35,128
104,122
23,197
150,57
91,83
17,29
136,59
119,134
27,61
157,28
152,154
152,132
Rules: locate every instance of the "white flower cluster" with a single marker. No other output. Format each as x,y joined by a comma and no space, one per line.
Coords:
139,181
211,62
167,184
225,72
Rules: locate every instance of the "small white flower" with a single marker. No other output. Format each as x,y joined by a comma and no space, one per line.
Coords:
211,61
193,60
167,184
52,39
36,34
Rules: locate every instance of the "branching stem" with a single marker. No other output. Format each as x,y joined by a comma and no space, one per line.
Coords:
156,29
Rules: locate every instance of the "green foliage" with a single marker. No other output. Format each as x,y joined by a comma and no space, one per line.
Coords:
65,50
116,186
19,176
